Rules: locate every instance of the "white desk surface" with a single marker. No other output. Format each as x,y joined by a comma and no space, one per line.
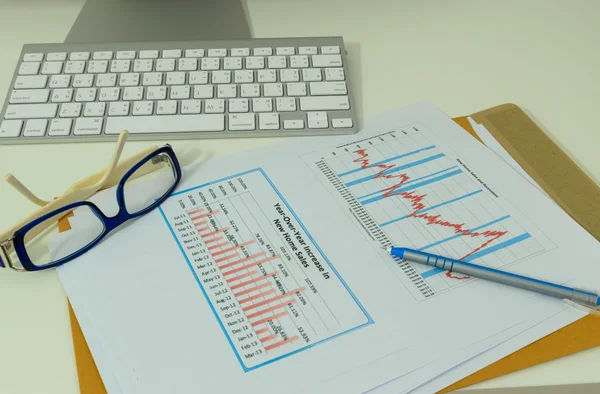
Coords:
464,56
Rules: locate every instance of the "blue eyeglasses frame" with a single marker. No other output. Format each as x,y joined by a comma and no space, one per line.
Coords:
110,223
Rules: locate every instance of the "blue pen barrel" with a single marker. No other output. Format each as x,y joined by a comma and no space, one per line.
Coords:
522,282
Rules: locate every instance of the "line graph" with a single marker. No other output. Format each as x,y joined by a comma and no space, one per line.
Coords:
406,191
272,290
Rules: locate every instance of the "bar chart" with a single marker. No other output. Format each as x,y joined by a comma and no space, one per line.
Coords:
269,285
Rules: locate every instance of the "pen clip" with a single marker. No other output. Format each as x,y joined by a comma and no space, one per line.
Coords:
581,307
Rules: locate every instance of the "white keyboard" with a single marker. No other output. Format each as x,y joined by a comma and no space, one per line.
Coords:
192,89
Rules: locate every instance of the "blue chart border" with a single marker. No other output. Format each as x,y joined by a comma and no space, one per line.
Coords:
246,369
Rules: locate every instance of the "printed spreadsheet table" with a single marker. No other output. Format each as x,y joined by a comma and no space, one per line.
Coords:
268,283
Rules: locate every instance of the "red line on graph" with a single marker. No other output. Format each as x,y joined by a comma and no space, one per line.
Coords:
202,223
205,215
261,331
279,297
213,240
202,229
271,309
260,295
277,316
268,338
217,246
195,211
449,274
241,276
254,280
234,247
255,288
243,260
215,232
233,271
220,260
277,344
417,205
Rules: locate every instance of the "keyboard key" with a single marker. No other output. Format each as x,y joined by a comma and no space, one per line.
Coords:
268,121
165,124
214,106
52,68
194,52
129,79
79,56
10,128
106,80
166,107
126,55
209,63
133,93
263,51
60,127
250,90
217,52
341,123
175,78
180,92
290,124
221,77
156,93
35,128
120,66
296,89
326,61
238,105
227,91
29,96
102,55
289,75
171,53
88,126
232,63
31,82
109,94
243,76
255,62
242,122
298,61
327,88
165,65
272,90
29,68
198,77
190,106
152,79
324,103
62,95
142,108
277,62
187,64
307,50
80,80
335,74
240,52
266,76
97,66
317,120
30,111
285,104
86,94
285,51
70,110
56,57
149,54
142,65
311,74
262,105
74,67
203,91
330,50
94,109
61,81
33,57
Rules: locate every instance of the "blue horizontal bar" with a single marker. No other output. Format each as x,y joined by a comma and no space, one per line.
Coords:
433,207
396,169
387,160
460,235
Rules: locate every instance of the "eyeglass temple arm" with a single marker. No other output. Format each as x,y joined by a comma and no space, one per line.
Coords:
25,192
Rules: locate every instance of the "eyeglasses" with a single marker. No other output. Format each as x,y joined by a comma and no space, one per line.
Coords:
48,238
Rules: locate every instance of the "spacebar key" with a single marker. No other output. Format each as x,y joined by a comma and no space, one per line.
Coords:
165,124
